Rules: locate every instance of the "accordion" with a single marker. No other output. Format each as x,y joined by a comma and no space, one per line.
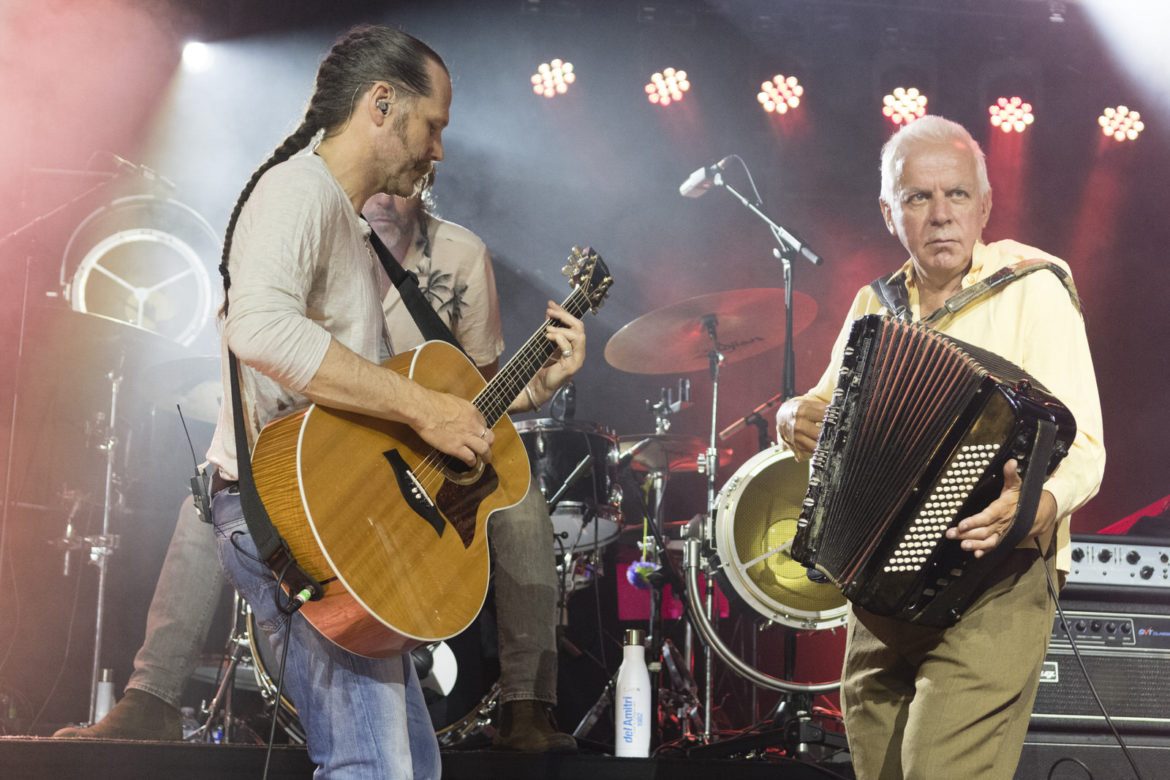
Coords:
914,440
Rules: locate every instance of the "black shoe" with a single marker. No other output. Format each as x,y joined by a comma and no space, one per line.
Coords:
527,726
137,715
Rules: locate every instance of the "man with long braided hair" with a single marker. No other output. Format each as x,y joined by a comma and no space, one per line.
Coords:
303,315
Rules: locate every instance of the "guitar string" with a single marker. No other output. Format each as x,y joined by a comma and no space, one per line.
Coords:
492,402
431,466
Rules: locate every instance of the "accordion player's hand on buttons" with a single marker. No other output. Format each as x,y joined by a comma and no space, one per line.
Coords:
983,531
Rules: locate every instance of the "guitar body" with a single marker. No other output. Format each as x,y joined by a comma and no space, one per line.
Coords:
346,491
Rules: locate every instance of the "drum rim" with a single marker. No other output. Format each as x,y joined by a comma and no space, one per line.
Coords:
609,513
564,426
726,501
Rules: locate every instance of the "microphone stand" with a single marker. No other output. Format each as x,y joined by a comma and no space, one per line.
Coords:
793,707
789,247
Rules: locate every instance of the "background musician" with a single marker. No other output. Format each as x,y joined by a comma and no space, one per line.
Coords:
921,702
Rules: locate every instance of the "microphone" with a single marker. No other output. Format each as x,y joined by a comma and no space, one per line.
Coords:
701,180
134,169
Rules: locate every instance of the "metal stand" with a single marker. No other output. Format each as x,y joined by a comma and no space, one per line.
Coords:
237,652
103,545
711,468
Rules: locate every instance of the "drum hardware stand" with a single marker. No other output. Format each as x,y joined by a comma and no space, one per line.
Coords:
667,405
104,544
708,465
237,652
473,723
579,471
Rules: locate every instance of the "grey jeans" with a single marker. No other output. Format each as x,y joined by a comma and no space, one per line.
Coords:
521,540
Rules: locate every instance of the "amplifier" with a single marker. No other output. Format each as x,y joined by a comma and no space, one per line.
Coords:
1120,561
1126,650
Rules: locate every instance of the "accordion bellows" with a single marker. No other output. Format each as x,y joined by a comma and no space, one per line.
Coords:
914,440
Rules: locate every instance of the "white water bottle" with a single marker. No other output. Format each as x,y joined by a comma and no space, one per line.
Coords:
105,695
632,700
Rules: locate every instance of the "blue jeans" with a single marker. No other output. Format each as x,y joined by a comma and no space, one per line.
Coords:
189,587
363,717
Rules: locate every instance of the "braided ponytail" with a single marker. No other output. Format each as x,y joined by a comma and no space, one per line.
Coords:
299,139
364,55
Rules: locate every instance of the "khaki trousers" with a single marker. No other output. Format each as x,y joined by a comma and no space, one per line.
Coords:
923,703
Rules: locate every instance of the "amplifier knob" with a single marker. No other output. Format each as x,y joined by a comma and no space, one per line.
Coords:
1147,572
1104,556
1080,625
1132,557
1095,625
1110,627
1164,558
1126,628
1078,554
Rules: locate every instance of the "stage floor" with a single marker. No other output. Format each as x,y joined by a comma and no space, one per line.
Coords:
25,758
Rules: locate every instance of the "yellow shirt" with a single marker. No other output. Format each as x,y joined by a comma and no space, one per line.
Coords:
1032,323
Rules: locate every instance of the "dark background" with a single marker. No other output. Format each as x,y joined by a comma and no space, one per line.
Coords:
599,166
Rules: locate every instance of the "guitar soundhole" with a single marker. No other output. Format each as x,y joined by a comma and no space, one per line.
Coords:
456,466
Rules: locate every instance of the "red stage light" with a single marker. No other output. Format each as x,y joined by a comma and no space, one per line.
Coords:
904,105
1123,123
667,87
553,78
1011,114
780,94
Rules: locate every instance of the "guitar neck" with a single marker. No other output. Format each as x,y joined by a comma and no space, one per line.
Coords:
494,400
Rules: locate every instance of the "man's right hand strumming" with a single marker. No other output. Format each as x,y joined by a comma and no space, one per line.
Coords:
453,425
798,424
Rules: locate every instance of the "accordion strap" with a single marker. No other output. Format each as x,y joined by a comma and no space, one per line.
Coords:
891,290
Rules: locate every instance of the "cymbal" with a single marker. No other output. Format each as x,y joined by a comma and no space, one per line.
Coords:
192,383
674,339
664,451
104,339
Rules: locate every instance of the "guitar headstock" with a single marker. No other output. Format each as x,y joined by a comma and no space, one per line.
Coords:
587,272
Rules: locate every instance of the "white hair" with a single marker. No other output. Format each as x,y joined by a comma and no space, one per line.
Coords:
928,129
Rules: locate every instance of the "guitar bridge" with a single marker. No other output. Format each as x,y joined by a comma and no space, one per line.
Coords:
412,491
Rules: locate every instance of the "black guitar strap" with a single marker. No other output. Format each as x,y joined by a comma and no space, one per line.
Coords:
272,547
425,317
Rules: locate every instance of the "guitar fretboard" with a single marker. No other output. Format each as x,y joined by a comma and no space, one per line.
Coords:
493,401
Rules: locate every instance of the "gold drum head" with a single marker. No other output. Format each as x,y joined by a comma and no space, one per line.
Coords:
755,522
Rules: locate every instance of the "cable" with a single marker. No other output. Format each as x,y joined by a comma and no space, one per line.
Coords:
279,692
1088,680
1071,760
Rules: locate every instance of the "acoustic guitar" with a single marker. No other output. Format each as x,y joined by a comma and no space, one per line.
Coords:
395,530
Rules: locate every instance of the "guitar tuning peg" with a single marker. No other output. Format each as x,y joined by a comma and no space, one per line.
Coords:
568,270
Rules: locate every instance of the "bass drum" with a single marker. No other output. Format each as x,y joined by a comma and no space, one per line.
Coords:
435,664
755,521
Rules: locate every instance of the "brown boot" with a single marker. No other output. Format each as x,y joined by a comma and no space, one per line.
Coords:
138,715
527,726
